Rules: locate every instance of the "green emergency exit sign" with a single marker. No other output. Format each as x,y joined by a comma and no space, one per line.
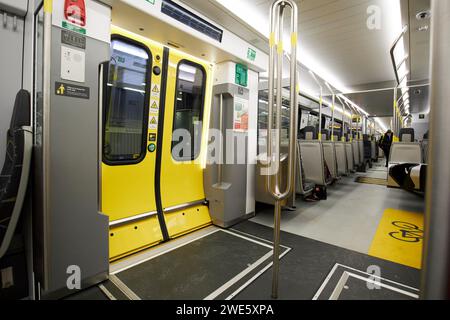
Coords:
241,75
251,54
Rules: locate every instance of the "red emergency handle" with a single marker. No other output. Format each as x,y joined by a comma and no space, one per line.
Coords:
75,12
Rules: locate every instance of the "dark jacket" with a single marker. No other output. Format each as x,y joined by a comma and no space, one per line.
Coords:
385,143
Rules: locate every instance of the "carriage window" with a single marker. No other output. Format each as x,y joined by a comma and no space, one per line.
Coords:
188,114
126,112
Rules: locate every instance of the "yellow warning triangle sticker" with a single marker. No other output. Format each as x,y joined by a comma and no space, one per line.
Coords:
153,121
154,105
155,89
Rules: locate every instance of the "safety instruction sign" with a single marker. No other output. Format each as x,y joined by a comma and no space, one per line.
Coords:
156,90
153,124
241,114
72,91
154,106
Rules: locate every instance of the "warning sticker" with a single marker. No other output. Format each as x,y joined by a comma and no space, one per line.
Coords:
156,90
70,90
153,123
241,113
154,106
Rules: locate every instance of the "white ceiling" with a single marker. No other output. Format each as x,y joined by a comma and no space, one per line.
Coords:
335,34
335,40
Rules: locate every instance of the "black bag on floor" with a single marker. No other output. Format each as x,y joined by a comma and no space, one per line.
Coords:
321,193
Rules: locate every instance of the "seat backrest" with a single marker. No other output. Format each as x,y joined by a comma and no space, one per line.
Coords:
406,152
350,158
301,185
310,133
313,161
361,151
355,146
341,158
12,168
326,135
329,154
373,149
407,135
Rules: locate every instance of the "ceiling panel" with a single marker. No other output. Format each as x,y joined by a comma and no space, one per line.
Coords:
419,40
335,34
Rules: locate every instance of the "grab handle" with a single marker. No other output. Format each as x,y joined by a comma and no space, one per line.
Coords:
277,13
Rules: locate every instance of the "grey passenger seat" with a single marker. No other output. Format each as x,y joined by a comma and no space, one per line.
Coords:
329,152
304,187
405,151
349,155
15,173
313,160
341,155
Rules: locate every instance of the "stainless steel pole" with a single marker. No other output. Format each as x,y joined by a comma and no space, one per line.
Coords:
436,262
332,110
394,119
320,104
276,63
219,165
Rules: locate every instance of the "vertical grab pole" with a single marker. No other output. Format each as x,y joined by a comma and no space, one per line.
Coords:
394,120
320,104
275,91
343,117
332,110
332,118
219,165
344,131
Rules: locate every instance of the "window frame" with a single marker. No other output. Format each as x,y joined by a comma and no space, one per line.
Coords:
202,110
146,106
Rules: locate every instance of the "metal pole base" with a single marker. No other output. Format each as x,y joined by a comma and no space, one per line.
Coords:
276,249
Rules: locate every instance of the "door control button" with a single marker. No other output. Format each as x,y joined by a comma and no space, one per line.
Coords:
157,70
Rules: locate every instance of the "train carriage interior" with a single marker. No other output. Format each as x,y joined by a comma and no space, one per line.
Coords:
226,150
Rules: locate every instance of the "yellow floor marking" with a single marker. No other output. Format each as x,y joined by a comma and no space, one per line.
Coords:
399,238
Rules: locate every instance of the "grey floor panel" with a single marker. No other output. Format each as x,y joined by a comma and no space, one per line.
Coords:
306,267
349,218
195,270
355,288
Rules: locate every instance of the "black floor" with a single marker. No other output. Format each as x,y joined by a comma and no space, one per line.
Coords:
306,267
193,271
196,270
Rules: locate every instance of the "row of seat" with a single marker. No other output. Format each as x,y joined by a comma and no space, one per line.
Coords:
320,163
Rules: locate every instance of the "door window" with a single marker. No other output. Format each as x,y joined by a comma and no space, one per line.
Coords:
188,115
126,114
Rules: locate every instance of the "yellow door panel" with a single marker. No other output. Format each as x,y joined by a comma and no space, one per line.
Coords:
188,220
129,190
130,238
129,172
182,180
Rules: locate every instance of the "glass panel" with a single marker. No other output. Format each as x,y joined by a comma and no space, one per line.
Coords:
189,102
263,115
126,113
